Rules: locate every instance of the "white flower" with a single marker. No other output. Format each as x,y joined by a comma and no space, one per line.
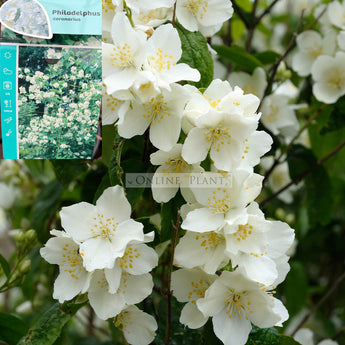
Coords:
165,52
311,45
341,40
152,17
202,15
103,230
224,121
336,14
254,244
171,162
255,83
162,114
123,59
234,302
279,178
329,76
222,205
189,286
73,278
7,195
108,296
305,337
205,250
139,328
278,116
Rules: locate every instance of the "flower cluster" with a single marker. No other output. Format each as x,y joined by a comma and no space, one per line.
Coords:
58,108
230,258
26,17
103,252
322,54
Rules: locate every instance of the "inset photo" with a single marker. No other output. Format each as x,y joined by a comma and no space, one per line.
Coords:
59,100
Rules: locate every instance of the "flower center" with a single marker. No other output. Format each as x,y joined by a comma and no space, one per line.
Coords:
243,232
238,304
123,319
127,259
72,262
218,136
198,290
272,116
194,6
156,109
122,56
335,78
162,61
210,240
104,228
107,5
219,204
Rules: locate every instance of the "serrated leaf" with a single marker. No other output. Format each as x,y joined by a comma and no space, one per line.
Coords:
195,53
45,205
286,340
296,288
5,266
49,326
238,55
11,329
67,170
263,336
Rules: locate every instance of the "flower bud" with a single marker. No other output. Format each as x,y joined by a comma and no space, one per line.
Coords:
19,237
30,236
25,266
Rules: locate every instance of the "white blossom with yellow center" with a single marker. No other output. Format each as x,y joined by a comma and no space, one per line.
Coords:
123,59
73,278
205,250
137,326
104,230
254,244
222,205
161,113
329,76
189,285
206,16
310,45
234,302
171,164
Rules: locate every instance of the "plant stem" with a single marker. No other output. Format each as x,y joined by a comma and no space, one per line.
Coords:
174,15
320,303
267,11
275,67
169,292
304,174
287,148
239,12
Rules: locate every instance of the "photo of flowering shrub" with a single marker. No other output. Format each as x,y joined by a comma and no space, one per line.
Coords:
59,94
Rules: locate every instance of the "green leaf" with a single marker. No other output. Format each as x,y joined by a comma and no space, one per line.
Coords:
319,195
195,53
67,170
169,214
263,336
11,329
238,56
296,288
49,326
45,205
5,266
268,57
336,118
40,169
286,340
